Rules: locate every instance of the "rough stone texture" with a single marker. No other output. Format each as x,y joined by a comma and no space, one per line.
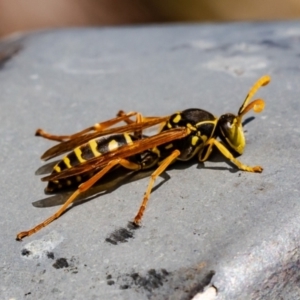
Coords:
208,224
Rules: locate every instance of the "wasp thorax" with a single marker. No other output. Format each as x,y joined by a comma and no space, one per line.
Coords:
231,132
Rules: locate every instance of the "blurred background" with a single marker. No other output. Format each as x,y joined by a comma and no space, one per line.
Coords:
20,15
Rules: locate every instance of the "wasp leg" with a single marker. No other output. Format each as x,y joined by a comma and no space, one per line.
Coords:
229,156
128,121
82,188
139,118
163,165
205,153
96,127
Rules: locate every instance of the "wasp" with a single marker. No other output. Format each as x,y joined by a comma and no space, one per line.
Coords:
107,146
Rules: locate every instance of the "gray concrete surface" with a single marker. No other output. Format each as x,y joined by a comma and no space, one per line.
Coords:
206,225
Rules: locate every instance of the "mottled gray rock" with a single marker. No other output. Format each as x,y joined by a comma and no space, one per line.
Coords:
208,224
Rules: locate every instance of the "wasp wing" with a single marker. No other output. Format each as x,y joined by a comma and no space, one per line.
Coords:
128,150
73,143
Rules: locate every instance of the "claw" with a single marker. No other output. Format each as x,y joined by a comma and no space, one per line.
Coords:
257,169
21,235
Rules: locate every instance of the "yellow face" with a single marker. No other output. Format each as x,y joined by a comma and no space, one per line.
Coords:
232,133
230,126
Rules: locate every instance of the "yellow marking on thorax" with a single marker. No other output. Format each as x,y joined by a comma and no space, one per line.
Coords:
169,125
204,138
57,168
78,178
78,154
191,127
67,162
213,122
177,118
112,145
127,138
169,146
195,140
93,146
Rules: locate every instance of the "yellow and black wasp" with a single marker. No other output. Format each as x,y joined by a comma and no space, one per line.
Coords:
103,148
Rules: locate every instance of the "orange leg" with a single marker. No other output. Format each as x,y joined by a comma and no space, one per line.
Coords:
210,145
162,167
139,118
82,188
96,127
128,121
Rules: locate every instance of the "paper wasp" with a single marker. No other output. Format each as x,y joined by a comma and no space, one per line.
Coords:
103,148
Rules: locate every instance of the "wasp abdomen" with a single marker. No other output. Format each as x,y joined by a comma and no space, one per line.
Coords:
83,153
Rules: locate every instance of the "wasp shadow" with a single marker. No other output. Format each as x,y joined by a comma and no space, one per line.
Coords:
248,120
106,185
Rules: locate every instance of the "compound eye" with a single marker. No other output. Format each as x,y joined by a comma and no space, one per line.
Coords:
227,121
229,124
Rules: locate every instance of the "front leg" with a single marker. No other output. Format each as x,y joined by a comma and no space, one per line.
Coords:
228,155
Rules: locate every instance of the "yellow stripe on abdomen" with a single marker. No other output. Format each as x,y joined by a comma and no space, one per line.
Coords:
127,138
67,162
112,145
78,154
93,146
57,168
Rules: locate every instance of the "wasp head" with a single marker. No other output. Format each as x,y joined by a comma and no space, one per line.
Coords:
230,126
231,132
